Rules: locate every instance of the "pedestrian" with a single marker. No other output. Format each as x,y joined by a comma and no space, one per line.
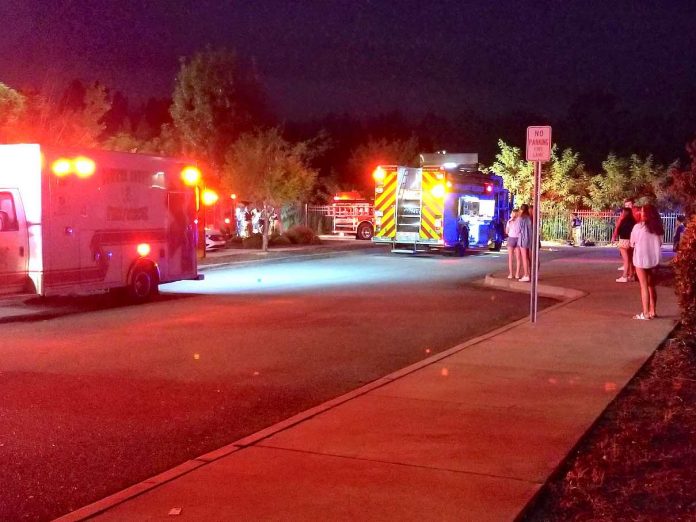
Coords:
635,212
678,233
512,229
646,240
576,229
623,233
525,241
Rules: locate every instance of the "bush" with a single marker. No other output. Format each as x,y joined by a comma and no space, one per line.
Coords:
278,240
255,241
301,235
685,274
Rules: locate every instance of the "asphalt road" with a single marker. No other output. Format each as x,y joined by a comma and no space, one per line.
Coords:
94,402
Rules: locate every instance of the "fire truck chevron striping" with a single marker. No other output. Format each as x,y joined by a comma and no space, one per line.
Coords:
385,205
433,196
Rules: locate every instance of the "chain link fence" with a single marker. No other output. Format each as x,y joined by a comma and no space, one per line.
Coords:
596,226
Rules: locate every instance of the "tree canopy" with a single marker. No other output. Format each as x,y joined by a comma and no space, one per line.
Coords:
217,98
267,169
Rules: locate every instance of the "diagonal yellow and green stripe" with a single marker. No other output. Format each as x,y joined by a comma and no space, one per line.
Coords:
432,205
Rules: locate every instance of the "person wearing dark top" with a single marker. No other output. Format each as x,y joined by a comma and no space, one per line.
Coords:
622,232
678,233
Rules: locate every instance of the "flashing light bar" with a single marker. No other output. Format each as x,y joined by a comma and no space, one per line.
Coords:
81,166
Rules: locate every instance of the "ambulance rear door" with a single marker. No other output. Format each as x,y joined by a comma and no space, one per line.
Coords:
14,253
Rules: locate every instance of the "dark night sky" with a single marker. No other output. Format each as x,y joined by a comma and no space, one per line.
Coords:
367,56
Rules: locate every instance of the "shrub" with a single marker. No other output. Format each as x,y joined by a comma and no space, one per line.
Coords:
254,241
301,235
278,240
685,273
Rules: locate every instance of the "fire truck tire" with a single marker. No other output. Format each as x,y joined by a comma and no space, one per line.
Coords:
143,284
364,231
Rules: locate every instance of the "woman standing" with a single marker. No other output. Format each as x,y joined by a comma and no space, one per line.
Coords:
525,240
623,232
512,229
646,240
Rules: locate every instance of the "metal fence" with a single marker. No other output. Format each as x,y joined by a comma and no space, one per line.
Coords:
596,226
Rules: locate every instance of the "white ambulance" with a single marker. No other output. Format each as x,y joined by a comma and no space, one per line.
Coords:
83,221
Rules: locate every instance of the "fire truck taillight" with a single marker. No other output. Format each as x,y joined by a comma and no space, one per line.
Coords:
438,190
143,249
379,174
61,167
84,167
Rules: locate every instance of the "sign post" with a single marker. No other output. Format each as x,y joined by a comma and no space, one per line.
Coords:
538,151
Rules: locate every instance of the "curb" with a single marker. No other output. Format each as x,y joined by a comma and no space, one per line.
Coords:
184,468
556,292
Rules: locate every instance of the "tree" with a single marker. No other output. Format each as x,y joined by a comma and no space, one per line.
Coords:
517,174
608,189
77,123
563,177
563,181
12,105
680,184
265,168
381,152
623,178
217,98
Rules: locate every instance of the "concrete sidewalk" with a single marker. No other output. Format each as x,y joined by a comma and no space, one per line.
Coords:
469,434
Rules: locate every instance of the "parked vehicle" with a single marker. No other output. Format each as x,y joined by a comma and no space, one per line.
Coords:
80,222
214,240
447,204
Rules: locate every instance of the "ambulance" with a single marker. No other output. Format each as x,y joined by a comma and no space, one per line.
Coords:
447,204
75,222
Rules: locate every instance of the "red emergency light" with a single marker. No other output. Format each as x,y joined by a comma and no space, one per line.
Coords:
488,188
143,249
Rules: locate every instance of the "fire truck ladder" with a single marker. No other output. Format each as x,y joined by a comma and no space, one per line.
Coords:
399,215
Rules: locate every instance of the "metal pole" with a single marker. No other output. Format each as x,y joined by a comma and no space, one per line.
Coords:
536,227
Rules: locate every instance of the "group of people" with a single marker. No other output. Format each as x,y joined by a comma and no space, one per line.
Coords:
519,243
253,220
639,232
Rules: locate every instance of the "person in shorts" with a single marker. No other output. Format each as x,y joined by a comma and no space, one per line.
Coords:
525,241
622,232
512,229
646,240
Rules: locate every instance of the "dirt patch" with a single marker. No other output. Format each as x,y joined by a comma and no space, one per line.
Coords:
638,461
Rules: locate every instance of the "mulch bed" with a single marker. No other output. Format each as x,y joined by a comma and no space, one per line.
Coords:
639,460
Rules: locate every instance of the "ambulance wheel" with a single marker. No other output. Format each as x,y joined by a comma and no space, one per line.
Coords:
364,231
143,284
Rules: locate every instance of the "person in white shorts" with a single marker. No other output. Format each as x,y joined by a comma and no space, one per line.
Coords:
512,229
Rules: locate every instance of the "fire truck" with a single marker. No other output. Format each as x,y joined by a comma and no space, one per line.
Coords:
351,214
82,222
447,204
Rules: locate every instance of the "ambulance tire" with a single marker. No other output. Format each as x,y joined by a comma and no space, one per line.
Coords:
364,231
143,284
